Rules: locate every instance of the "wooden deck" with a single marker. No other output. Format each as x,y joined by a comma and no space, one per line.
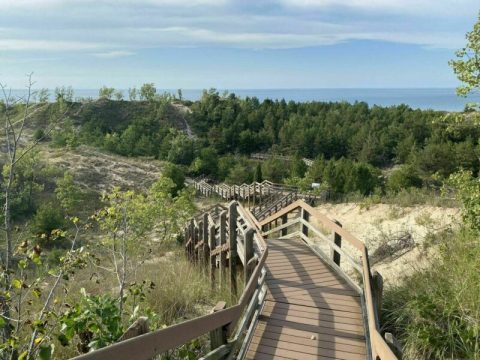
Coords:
310,311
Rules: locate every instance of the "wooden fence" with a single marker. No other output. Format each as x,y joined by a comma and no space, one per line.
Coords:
263,156
217,239
301,220
222,239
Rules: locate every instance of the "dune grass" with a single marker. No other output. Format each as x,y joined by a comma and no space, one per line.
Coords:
435,313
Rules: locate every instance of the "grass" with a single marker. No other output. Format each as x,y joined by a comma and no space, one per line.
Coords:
435,312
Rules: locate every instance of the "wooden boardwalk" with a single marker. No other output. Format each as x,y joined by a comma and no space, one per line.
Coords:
310,311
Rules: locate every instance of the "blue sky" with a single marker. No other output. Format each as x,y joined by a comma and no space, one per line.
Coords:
232,44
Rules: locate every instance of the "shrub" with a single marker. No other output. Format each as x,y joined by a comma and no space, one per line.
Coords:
403,178
175,173
49,217
39,135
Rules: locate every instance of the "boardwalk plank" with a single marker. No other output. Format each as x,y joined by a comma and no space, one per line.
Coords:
310,311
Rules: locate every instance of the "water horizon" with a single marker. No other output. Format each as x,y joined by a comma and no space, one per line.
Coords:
442,99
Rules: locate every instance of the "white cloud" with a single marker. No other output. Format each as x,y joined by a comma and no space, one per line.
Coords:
46,45
416,7
113,54
28,4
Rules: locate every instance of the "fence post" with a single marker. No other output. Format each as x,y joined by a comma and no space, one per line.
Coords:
205,254
211,246
218,337
223,241
305,216
248,268
232,241
337,240
195,249
284,221
377,294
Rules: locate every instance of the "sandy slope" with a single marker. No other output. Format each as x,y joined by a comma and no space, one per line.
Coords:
101,171
382,221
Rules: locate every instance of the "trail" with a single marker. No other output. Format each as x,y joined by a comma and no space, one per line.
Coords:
182,110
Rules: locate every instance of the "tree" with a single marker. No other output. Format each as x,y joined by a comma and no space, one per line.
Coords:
175,173
403,178
118,95
68,193
257,175
128,216
43,95
49,217
17,149
467,64
106,92
132,94
180,94
148,92
64,94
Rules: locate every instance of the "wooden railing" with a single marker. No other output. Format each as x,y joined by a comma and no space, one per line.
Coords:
253,194
301,220
211,238
263,156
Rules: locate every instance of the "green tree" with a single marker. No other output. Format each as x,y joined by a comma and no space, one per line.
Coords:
118,95
106,92
467,64
68,193
403,178
43,95
132,94
257,175
148,92
176,174
49,217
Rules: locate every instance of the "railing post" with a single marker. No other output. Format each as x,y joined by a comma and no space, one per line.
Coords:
248,268
337,240
284,221
223,241
305,216
232,241
377,294
200,239
205,253
211,246
218,337
195,250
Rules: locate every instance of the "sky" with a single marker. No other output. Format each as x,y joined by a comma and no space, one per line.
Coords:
233,44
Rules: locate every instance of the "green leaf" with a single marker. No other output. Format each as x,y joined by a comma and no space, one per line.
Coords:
22,264
63,340
16,283
2,322
23,355
45,352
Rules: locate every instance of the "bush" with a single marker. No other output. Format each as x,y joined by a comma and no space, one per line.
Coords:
39,135
403,178
49,217
175,173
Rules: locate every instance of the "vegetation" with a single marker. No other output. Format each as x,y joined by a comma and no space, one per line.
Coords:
435,312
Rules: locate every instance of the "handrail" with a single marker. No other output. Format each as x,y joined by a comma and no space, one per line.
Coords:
149,345
379,347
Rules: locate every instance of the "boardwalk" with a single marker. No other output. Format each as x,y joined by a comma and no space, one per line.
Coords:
310,311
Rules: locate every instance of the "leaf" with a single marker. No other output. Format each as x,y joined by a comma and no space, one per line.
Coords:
2,322
63,340
16,283
23,355
45,352
22,264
